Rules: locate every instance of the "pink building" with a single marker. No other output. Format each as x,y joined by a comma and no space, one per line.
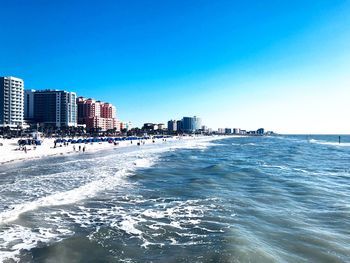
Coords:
108,110
96,114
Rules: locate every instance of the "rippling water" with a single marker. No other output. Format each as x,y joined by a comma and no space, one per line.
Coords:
244,199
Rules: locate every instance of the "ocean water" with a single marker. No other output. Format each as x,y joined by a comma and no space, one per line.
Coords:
243,199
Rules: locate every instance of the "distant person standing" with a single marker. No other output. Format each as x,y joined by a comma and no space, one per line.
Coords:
84,149
79,148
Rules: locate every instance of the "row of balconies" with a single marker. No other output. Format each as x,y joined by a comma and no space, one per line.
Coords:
13,86
13,95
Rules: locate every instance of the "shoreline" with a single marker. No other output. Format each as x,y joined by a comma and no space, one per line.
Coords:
10,153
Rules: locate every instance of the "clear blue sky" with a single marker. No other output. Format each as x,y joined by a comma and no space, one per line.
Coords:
282,65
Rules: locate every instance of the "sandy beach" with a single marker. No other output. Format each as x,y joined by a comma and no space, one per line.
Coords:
10,150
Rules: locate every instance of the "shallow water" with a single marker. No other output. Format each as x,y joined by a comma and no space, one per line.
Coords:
244,199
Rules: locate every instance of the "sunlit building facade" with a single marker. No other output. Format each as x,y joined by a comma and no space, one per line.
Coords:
11,102
97,115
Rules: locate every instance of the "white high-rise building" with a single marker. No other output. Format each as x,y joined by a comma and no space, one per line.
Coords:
221,130
236,131
11,102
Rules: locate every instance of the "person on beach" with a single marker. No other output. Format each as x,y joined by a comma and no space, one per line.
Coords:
83,149
73,147
79,148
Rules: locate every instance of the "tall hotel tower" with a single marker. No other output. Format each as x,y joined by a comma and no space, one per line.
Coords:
54,108
11,102
97,114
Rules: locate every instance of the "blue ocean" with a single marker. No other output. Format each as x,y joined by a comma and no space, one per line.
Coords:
237,199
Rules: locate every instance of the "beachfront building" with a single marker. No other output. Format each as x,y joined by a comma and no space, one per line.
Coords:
172,127
29,105
11,102
191,124
228,130
221,130
126,125
260,131
87,108
161,126
97,115
149,126
251,132
153,126
236,131
179,125
55,108
108,111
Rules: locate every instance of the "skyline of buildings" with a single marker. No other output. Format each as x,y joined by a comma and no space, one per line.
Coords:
59,108
53,108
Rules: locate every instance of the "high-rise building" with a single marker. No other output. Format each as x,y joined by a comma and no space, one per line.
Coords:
29,105
87,108
236,131
97,114
172,125
108,110
228,130
260,131
191,124
11,102
55,108
179,125
221,130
